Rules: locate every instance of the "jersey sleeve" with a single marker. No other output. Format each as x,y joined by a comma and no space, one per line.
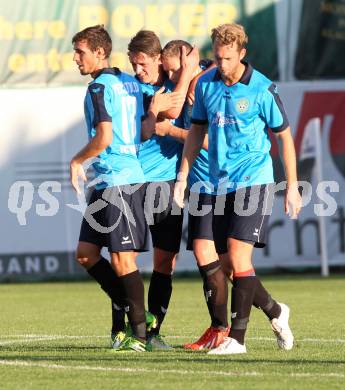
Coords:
205,63
101,102
146,102
199,114
272,110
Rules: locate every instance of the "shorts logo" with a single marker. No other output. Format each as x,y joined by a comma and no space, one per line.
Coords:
126,240
256,232
234,315
242,105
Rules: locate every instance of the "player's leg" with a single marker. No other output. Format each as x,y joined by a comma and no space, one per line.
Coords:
91,240
215,286
166,235
160,289
262,299
245,231
133,287
253,228
89,256
242,294
125,241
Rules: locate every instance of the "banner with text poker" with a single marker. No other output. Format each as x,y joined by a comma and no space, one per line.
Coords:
35,38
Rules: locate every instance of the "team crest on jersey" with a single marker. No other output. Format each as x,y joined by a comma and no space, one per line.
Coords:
242,105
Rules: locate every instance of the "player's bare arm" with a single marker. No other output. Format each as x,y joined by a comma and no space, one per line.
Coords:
97,144
293,202
190,93
165,127
160,102
192,147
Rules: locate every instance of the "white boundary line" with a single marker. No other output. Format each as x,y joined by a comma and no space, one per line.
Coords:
43,337
18,363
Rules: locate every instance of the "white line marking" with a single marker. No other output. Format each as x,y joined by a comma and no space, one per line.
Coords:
19,341
18,363
42,337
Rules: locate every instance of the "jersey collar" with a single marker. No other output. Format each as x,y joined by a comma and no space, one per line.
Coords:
113,71
245,78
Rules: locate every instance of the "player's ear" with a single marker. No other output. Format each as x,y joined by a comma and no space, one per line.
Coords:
100,53
243,53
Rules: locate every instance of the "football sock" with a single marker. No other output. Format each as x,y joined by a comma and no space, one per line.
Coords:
133,288
159,297
118,318
264,301
216,293
242,295
106,277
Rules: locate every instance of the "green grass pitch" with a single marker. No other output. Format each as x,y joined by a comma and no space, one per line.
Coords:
56,336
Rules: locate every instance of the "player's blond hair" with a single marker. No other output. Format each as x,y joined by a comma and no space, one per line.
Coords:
228,34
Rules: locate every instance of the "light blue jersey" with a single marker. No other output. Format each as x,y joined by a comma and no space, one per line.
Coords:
116,97
198,178
160,157
238,119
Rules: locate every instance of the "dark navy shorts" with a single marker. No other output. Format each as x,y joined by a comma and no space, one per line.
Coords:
115,219
200,217
164,217
243,215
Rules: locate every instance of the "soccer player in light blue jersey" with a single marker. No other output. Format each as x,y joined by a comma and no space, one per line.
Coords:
160,159
200,236
115,216
238,105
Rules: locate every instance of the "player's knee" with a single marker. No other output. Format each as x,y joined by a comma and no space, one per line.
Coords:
204,251
164,261
165,265
202,255
85,260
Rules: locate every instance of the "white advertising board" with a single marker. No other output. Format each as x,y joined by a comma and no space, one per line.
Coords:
41,129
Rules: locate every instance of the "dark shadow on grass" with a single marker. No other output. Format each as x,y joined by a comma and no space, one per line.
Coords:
166,357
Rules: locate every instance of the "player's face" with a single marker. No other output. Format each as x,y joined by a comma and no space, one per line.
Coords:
228,59
145,67
172,67
88,61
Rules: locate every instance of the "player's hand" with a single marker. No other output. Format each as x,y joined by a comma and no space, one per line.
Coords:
293,201
162,128
76,171
165,101
190,61
179,189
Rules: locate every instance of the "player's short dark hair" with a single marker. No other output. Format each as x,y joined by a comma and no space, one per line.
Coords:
95,36
173,48
228,34
147,42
